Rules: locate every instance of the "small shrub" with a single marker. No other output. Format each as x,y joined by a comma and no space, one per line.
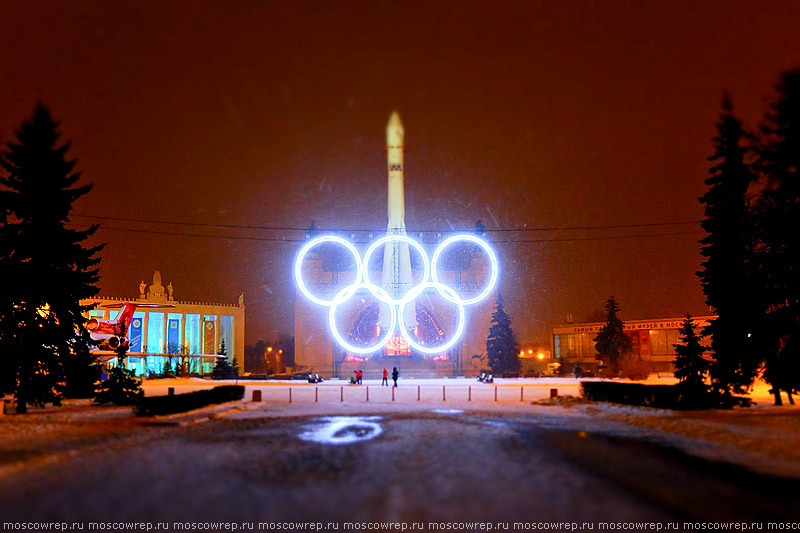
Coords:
631,366
179,403
225,370
121,388
659,396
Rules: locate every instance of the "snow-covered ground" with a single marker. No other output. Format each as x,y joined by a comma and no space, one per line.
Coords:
763,438
408,389
455,388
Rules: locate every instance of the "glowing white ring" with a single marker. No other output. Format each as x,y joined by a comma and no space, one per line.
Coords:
426,271
344,295
492,258
417,290
362,282
298,265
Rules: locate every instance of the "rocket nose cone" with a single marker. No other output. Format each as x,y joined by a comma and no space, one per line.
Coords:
394,130
394,121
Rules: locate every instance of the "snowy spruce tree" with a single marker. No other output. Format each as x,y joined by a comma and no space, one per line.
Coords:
502,349
611,342
779,251
45,269
690,367
167,372
224,369
121,387
728,272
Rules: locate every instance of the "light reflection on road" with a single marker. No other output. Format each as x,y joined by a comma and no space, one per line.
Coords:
339,430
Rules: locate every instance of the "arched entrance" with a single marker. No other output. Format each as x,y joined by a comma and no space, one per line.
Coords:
365,331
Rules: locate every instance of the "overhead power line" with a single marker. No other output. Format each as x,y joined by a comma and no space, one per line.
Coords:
295,240
374,230
606,238
180,234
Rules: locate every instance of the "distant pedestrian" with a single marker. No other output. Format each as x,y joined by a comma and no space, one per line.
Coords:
359,377
385,378
395,375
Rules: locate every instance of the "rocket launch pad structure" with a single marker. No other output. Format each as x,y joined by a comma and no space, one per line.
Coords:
314,348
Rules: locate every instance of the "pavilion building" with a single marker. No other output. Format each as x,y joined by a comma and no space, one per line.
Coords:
185,333
652,340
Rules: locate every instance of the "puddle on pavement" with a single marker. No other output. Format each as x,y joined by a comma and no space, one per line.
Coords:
338,430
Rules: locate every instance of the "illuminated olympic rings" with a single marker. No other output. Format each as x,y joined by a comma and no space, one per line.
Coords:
430,280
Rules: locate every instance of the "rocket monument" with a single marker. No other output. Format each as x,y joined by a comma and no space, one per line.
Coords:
396,273
424,336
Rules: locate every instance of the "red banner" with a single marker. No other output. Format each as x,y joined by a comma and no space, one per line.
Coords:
640,342
634,338
209,328
644,342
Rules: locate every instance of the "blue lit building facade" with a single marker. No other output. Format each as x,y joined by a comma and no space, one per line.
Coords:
186,334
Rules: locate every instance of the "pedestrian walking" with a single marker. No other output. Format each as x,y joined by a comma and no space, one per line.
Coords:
359,377
395,375
385,378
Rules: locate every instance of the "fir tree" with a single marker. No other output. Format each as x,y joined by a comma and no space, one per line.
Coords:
9,356
285,343
690,367
223,369
44,268
121,387
782,369
727,274
254,360
502,349
80,373
167,371
611,342
779,218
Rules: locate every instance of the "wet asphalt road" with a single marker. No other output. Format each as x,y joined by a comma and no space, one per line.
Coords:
417,467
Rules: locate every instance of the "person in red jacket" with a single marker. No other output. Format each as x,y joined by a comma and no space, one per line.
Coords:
385,378
359,377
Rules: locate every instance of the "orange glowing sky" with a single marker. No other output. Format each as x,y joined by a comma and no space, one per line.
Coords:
522,114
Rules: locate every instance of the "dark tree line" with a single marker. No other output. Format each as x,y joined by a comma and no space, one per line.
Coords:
751,269
260,360
45,269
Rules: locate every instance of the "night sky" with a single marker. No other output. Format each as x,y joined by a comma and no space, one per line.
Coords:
524,115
